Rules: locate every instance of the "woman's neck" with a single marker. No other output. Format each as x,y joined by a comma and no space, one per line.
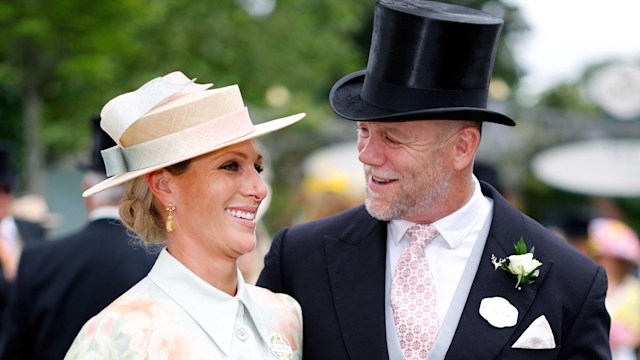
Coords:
219,273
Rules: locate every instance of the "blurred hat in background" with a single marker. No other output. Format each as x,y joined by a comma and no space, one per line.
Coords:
34,208
7,172
611,237
101,141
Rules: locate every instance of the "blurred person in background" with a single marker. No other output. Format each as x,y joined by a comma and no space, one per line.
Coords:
63,283
15,233
615,245
324,197
191,167
571,223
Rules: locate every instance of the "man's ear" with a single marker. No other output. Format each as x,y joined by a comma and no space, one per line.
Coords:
159,183
467,142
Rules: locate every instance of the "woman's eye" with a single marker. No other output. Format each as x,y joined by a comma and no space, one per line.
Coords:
231,166
259,168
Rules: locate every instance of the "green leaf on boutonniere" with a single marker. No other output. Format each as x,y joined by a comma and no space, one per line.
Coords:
521,247
522,264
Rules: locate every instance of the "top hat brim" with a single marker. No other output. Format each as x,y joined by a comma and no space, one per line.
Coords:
345,100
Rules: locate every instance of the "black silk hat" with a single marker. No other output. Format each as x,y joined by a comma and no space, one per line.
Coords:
100,141
427,61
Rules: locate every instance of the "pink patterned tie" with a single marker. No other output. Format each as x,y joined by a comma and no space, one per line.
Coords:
413,296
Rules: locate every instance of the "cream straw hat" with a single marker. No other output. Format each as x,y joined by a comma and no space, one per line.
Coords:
171,119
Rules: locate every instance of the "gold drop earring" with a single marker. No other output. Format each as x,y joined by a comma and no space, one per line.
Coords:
170,225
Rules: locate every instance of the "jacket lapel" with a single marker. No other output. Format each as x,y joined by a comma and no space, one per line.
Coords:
356,265
473,331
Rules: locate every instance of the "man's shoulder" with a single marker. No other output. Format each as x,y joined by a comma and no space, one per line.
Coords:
81,243
550,244
31,231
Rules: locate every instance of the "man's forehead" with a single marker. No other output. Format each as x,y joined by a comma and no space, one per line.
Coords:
401,126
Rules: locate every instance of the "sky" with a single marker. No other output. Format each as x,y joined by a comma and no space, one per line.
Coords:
568,35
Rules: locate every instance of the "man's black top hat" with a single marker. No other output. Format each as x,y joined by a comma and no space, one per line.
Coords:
427,61
7,172
101,141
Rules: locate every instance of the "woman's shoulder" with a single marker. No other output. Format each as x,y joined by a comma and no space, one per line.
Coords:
269,299
282,316
140,323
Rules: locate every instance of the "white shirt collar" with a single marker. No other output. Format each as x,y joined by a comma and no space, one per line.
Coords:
215,311
9,229
454,227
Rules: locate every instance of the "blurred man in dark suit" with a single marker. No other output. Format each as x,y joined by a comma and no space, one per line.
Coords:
15,233
62,283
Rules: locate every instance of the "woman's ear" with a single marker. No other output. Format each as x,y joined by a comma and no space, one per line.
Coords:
467,142
159,183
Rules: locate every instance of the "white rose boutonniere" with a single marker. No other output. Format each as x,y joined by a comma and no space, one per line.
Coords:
522,265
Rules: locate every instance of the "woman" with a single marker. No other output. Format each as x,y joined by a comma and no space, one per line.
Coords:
615,246
190,165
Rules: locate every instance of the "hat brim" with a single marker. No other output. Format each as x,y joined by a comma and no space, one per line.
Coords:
345,101
258,130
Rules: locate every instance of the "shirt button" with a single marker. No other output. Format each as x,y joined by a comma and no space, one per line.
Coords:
242,333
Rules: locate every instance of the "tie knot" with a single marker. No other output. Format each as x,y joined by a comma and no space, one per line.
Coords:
422,234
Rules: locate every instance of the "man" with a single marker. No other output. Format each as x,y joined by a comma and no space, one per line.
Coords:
419,107
15,233
62,283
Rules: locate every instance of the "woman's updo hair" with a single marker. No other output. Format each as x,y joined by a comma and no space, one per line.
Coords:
139,210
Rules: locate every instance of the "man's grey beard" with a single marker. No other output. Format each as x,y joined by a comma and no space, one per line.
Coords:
384,213
411,201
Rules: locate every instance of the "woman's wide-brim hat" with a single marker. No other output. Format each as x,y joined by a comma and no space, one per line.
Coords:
171,119
427,61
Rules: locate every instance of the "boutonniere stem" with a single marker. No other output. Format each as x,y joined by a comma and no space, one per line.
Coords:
522,265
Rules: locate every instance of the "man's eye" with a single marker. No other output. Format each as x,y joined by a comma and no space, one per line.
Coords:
392,140
259,168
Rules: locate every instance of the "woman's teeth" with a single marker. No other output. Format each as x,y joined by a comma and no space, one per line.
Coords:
241,214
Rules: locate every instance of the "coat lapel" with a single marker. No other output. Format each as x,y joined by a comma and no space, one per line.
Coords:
356,265
507,227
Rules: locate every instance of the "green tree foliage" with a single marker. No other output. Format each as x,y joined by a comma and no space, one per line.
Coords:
65,59
60,56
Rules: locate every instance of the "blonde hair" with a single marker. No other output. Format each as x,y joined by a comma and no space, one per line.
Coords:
139,210
139,214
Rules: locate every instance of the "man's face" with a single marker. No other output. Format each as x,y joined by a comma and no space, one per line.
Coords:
406,167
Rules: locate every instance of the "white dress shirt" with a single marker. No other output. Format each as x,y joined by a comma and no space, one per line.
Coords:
9,232
447,254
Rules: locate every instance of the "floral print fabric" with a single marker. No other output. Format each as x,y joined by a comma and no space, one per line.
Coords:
147,322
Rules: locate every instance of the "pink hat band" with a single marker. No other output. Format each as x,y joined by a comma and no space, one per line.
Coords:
220,130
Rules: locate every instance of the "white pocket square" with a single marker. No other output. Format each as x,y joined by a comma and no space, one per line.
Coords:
537,336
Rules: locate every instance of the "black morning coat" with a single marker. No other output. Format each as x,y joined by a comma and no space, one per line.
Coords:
62,283
335,268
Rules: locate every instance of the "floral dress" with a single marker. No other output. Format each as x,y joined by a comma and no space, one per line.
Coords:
173,314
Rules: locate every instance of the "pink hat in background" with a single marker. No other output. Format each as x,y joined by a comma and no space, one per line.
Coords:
612,237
